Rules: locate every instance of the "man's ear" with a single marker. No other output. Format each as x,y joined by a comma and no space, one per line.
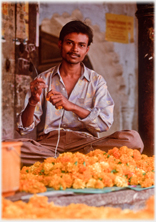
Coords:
59,44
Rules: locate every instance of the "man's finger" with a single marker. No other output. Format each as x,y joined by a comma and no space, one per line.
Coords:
39,80
49,94
56,92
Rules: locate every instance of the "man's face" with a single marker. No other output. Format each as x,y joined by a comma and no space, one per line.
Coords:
74,47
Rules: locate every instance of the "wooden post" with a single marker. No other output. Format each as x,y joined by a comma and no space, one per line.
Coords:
145,15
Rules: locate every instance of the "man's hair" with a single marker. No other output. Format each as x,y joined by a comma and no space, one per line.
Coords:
78,27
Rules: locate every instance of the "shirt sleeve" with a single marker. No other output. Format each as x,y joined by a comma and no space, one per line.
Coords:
36,119
100,118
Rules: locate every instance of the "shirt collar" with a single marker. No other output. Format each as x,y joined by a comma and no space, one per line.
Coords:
84,74
56,70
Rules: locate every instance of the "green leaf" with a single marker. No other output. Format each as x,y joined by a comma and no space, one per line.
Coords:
84,163
76,163
61,188
129,179
108,156
114,171
27,171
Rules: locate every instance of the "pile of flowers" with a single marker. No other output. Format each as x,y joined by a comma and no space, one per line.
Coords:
98,169
39,208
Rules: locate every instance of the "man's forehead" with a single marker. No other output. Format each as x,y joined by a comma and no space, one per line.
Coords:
80,37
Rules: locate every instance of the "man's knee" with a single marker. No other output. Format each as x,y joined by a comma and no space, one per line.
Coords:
135,140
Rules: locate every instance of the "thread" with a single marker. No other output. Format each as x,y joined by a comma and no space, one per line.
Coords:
59,108
58,139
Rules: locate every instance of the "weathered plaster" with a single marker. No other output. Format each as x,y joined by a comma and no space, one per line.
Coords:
8,52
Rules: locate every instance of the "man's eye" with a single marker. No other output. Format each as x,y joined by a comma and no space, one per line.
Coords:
69,43
81,45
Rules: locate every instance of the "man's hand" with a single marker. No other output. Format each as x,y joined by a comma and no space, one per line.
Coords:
59,101
36,87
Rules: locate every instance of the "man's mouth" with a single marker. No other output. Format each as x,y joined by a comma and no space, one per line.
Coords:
73,55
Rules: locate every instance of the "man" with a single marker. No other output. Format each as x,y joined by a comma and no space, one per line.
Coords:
70,104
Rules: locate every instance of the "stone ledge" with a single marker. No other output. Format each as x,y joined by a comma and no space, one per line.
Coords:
125,199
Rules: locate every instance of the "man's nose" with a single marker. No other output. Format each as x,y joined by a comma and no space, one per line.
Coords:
75,47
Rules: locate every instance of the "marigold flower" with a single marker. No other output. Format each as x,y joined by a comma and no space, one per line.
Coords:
115,152
32,186
99,184
117,167
57,183
39,208
120,181
107,180
91,183
136,155
78,184
47,167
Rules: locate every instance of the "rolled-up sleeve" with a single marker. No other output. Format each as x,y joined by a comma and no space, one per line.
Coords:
100,118
23,130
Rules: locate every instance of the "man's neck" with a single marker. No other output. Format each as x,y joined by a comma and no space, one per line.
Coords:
71,70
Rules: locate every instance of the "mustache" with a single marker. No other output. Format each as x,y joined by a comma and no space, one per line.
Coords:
72,53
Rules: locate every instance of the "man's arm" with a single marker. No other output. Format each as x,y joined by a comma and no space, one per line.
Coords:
28,113
80,112
36,87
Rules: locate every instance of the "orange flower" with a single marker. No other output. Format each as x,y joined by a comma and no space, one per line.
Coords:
57,183
116,167
32,186
115,152
50,160
107,180
39,208
99,184
78,184
136,155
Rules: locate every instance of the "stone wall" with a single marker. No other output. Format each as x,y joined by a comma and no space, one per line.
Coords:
8,69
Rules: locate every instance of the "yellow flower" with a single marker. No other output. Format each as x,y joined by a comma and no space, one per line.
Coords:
78,184
120,181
